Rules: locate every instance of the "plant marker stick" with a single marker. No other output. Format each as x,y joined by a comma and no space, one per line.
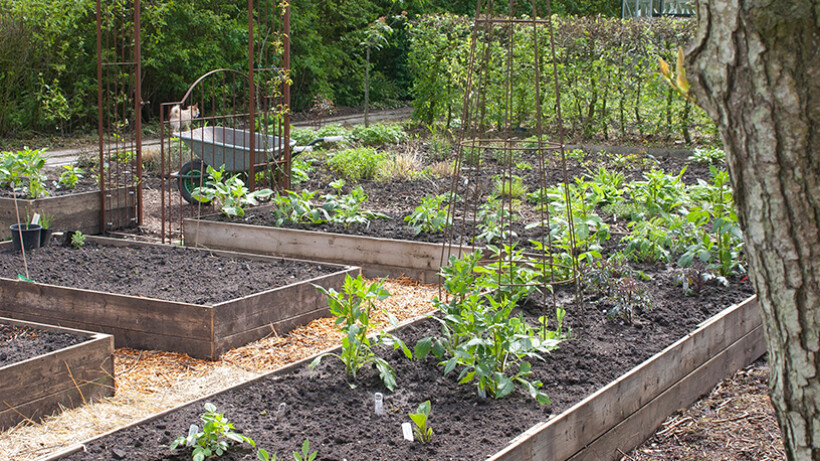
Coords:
282,407
20,231
407,431
379,403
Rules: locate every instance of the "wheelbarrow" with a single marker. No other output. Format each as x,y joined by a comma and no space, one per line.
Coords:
229,147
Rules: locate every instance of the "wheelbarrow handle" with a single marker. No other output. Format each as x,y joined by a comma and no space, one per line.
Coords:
309,147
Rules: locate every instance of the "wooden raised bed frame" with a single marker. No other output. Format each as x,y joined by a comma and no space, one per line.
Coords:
621,415
68,377
378,257
145,323
80,211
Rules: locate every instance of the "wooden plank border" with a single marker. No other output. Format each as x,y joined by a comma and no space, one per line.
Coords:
80,211
145,323
377,257
39,386
649,392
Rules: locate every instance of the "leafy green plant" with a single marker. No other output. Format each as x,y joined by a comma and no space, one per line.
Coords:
606,186
510,274
70,176
614,283
347,209
23,169
305,454
353,310
296,208
494,220
357,164
708,156
431,215
422,429
300,169
648,241
480,335
660,194
229,191
77,239
213,439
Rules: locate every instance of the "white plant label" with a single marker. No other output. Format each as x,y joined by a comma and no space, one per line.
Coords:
378,403
35,219
407,431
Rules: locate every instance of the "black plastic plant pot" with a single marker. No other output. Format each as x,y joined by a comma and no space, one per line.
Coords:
30,234
45,237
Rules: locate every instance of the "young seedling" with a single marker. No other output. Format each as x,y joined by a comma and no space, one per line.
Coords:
77,240
422,429
305,455
213,439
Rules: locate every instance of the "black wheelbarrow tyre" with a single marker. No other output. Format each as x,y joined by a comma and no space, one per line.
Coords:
189,179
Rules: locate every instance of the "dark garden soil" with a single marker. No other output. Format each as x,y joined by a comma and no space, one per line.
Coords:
162,272
19,343
340,421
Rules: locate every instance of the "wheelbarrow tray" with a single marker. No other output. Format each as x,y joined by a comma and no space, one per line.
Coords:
218,146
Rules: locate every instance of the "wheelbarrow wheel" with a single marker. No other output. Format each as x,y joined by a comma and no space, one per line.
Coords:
191,175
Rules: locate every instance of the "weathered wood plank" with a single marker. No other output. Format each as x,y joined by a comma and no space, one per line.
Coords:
38,386
562,436
80,211
642,424
376,256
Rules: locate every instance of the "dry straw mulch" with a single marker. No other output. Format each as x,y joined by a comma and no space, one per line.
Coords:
148,382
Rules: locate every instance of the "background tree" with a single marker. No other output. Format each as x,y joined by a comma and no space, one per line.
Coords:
755,67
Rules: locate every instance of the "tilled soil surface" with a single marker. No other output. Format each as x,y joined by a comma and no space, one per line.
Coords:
20,343
340,422
162,272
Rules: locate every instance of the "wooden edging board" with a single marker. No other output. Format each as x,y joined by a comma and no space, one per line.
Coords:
377,257
637,402
38,386
80,211
146,323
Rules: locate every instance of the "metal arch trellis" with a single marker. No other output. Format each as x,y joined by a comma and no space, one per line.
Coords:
249,111
505,47
119,102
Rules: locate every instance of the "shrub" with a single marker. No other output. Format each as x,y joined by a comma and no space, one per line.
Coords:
357,164
378,134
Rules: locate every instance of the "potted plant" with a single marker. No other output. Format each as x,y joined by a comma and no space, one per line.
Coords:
45,231
26,236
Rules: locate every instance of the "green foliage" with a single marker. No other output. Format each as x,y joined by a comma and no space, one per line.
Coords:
347,209
353,310
71,176
300,169
422,429
509,187
494,219
379,134
23,170
357,164
77,239
229,191
296,208
305,454
614,283
213,439
648,241
708,156
660,194
431,215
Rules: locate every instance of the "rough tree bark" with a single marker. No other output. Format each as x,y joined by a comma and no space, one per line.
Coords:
754,65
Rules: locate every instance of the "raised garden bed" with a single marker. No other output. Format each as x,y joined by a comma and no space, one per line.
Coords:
599,410
162,297
377,257
78,211
44,368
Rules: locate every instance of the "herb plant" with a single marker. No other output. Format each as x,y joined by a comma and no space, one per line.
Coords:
229,191
24,169
357,164
213,439
305,454
422,429
353,310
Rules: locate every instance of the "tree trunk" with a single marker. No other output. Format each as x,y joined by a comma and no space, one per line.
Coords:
755,67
